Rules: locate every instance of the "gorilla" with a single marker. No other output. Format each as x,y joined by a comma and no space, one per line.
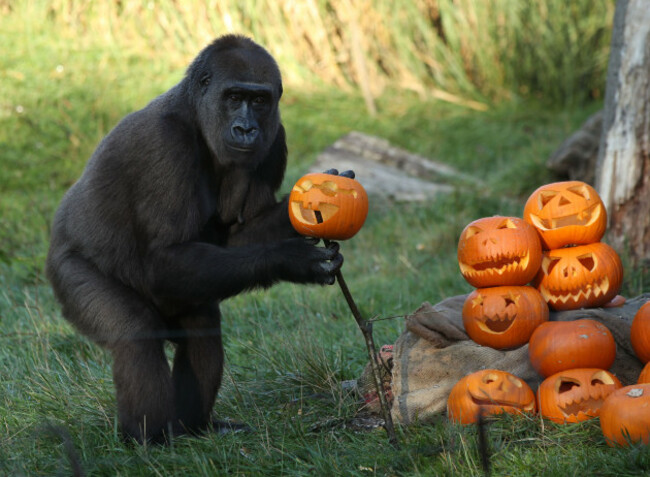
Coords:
174,212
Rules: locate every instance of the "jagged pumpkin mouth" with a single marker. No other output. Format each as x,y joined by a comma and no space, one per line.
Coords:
584,218
595,289
496,266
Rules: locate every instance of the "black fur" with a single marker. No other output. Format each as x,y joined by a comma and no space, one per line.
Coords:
175,212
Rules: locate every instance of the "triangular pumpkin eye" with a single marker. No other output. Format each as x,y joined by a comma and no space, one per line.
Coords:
545,197
548,263
580,190
490,378
507,224
564,201
587,261
472,230
509,300
566,385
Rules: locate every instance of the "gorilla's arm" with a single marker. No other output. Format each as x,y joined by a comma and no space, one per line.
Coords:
195,272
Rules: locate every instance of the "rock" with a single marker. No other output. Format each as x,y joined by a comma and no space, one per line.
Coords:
386,170
576,157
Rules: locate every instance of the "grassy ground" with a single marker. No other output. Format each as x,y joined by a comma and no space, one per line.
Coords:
288,348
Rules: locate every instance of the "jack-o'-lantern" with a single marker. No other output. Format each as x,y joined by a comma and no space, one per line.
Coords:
560,345
624,417
640,333
497,250
503,317
489,391
566,213
580,277
575,395
328,206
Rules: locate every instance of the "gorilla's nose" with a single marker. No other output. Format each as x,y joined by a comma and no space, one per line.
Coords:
244,134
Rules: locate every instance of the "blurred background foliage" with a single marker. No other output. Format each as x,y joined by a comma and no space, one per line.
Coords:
456,50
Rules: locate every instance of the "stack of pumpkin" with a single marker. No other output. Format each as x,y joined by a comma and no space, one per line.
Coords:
574,270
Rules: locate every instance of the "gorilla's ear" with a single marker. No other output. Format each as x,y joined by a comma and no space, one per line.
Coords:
272,168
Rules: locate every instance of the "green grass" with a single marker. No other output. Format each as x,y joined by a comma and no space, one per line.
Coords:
288,348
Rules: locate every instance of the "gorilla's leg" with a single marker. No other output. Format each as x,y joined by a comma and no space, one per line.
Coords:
198,366
118,318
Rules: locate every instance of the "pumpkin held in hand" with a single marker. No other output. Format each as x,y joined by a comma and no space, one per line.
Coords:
503,317
566,213
624,417
575,395
328,206
489,391
560,345
640,333
497,250
580,277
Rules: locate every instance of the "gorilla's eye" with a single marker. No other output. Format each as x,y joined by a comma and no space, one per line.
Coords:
205,80
235,97
259,100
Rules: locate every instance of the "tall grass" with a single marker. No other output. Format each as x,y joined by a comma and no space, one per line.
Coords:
463,51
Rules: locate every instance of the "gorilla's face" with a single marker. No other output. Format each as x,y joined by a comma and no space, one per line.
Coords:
238,110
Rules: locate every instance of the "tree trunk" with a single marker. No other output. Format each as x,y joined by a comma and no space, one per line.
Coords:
623,171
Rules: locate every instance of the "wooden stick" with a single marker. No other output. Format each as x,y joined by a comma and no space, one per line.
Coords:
366,328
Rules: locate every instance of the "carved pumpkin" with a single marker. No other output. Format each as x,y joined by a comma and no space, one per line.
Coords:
503,317
489,391
566,213
579,277
575,395
624,417
640,333
560,345
498,250
328,206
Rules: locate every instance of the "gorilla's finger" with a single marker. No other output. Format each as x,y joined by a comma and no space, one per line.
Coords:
312,240
349,174
333,172
333,246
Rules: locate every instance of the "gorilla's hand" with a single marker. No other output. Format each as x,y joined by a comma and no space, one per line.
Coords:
335,172
303,262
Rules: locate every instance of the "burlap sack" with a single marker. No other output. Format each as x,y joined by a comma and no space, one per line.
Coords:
435,352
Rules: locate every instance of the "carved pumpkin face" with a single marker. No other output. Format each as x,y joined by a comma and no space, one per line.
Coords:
624,417
575,395
566,213
498,250
489,391
503,317
580,277
328,206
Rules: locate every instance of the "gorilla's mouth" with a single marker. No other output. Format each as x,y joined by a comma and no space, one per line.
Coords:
240,148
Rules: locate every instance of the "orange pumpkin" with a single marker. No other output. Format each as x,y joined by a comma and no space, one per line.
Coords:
640,333
328,206
489,391
580,277
624,417
499,250
575,395
644,377
560,345
566,213
503,317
